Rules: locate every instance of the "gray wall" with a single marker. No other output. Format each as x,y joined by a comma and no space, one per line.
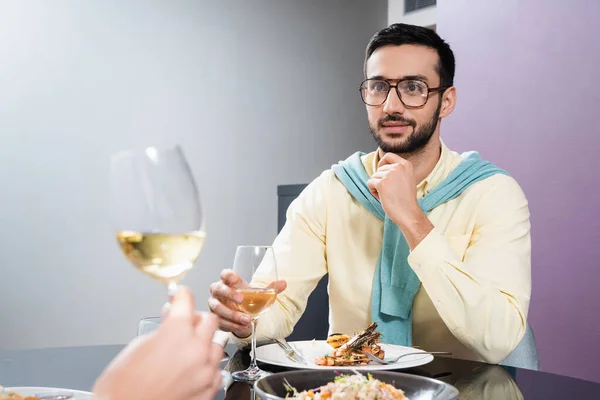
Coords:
258,93
528,99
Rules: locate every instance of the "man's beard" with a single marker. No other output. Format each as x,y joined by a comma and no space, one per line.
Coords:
415,142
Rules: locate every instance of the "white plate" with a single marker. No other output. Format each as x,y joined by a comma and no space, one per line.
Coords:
32,391
311,349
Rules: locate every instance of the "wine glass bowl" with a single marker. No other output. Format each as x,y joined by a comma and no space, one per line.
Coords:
256,300
166,257
156,212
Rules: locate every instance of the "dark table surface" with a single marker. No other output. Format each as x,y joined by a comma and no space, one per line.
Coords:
78,367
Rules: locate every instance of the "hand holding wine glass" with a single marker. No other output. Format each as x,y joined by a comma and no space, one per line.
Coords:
225,300
257,269
177,361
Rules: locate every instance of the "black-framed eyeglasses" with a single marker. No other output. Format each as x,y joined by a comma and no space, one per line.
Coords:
411,92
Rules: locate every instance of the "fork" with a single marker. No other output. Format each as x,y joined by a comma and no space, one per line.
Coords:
291,352
414,353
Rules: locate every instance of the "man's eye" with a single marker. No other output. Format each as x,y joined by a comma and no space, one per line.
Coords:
413,88
378,87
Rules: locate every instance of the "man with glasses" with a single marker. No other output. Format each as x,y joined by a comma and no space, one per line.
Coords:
431,244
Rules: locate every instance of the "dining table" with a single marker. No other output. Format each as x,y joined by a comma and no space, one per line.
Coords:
77,368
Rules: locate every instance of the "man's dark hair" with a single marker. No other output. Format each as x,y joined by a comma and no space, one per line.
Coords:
399,34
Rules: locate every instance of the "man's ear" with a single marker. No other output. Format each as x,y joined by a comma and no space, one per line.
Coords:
448,102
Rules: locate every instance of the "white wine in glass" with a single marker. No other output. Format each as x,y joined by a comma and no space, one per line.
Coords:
257,267
163,256
156,212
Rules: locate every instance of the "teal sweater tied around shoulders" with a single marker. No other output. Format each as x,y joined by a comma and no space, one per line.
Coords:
395,284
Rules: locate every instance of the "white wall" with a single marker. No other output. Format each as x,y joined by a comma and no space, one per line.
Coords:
258,93
424,17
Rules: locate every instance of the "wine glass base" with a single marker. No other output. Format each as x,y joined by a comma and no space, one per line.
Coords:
249,375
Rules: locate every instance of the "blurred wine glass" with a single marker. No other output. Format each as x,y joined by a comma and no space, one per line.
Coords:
156,212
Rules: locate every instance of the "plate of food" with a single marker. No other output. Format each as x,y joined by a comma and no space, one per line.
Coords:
42,393
342,352
381,385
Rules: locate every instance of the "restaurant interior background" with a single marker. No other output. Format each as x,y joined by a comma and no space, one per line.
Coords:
262,93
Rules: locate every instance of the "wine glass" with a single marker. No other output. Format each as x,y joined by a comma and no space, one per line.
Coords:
257,267
156,212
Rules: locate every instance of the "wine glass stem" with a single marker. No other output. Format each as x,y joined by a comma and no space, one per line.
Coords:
253,340
172,289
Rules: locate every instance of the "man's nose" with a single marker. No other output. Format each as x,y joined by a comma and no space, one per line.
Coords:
393,104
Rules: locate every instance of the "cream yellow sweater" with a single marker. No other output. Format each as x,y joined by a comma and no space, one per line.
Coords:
475,266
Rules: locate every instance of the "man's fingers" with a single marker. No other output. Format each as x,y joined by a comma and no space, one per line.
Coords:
223,291
378,175
230,326
385,168
230,278
390,158
372,184
279,285
217,307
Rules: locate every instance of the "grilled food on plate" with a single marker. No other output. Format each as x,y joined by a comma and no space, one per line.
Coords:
335,340
351,351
